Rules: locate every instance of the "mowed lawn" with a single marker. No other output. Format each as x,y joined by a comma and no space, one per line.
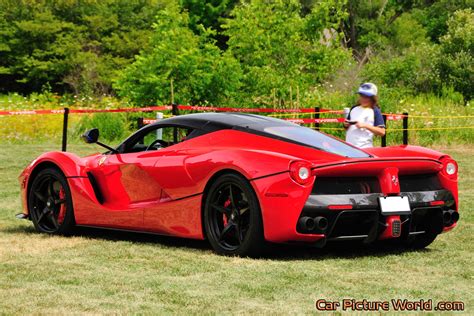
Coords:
108,272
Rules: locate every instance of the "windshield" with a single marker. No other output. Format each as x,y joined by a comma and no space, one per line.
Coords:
307,136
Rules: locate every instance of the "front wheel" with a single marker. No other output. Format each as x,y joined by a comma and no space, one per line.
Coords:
50,203
232,217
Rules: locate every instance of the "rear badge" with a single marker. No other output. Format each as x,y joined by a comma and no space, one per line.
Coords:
395,180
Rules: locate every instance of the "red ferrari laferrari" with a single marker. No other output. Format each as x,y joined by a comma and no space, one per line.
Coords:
241,180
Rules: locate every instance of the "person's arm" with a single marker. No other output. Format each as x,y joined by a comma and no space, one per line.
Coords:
377,130
379,125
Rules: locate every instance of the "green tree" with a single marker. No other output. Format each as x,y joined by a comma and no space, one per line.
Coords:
76,46
378,25
279,49
434,15
199,71
457,65
209,14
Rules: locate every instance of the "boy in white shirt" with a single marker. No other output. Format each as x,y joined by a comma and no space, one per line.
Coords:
365,119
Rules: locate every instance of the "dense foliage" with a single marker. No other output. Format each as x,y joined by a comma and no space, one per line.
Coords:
192,64
265,52
77,46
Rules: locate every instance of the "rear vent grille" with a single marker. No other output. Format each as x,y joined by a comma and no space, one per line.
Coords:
346,185
419,182
396,228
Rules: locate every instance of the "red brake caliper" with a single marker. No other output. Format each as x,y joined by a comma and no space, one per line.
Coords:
62,210
226,205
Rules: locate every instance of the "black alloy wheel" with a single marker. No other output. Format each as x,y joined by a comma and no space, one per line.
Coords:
232,217
50,204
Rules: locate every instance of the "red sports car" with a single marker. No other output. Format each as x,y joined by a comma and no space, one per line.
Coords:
241,180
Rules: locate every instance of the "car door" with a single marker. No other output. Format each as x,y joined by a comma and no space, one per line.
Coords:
128,182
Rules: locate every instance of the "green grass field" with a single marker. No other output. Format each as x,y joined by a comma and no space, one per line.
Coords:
99,272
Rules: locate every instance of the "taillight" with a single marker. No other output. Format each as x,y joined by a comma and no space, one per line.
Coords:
450,167
300,172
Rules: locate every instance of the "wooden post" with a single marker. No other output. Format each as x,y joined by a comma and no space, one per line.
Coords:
298,97
172,91
316,116
405,128
291,97
274,98
175,111
65,121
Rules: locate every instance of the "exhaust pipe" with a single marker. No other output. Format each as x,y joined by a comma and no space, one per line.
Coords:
455,216
447,219
450,217
321,223
306,223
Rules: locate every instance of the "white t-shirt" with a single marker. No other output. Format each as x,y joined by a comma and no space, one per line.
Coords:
361,137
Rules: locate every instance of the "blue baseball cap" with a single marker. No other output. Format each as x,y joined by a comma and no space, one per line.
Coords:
368,89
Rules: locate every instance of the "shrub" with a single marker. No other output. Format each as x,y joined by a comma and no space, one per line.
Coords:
415,70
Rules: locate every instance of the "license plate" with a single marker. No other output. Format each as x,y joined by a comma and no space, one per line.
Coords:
395,205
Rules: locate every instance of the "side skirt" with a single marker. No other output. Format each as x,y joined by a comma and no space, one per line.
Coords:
144,232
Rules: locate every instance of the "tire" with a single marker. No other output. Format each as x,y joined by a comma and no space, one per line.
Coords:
50,203
232,217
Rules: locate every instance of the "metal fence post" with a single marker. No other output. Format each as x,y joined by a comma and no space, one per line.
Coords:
140,125
384,137
65,119
140,122
174,109
405,128
316,116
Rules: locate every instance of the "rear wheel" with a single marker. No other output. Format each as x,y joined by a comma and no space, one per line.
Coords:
50,203
232,217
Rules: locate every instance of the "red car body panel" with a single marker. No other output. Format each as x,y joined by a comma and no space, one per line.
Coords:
163,191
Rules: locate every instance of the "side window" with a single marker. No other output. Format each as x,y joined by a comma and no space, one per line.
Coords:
159,138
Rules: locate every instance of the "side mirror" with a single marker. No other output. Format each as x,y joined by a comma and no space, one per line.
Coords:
91,136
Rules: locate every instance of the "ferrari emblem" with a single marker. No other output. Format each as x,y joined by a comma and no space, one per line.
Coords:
102,160
395,180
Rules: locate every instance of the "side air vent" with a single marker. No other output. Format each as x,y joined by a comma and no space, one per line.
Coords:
95,187
419,182
346,185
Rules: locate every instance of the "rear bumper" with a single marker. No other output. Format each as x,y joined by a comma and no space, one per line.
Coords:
284,203
362,218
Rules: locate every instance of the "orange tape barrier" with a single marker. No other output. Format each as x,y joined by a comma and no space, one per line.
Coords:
245,110
303,120
162,108
79,111
203,108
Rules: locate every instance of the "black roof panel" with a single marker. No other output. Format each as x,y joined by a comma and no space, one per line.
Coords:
215,121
